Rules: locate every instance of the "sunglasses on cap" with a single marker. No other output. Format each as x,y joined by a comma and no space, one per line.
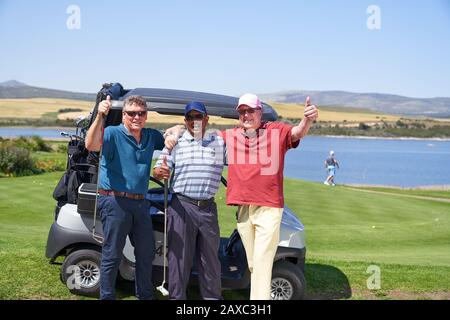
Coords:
192,117
133,114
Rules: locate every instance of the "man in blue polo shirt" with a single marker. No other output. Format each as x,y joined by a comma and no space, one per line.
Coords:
124,170
197,162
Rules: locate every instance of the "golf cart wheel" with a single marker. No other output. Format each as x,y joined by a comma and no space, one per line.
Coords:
80,272
288,282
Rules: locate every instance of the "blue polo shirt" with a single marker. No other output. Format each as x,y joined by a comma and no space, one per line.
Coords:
125,164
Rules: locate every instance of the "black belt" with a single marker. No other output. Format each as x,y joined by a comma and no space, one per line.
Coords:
134,196
198,203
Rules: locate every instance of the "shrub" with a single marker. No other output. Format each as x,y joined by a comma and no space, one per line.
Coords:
363,126
50,165
69,110
21,142
401,124
62,148
418,125
16,161
34,143
40,145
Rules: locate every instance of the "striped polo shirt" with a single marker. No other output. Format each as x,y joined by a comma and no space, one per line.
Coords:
196,165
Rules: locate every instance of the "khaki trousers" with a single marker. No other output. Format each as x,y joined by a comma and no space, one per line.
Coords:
259,228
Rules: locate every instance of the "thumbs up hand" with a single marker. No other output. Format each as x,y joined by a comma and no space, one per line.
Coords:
162,172
104,106
311,113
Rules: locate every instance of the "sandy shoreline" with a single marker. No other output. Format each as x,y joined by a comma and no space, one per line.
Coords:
382,138
73,128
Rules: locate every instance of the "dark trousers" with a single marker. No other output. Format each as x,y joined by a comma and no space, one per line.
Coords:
193,230
121,217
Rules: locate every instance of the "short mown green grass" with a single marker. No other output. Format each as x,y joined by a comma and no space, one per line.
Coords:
346,232
441,194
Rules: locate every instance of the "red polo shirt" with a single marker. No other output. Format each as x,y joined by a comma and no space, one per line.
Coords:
256,163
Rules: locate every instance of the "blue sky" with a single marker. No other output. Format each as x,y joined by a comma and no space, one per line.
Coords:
229,47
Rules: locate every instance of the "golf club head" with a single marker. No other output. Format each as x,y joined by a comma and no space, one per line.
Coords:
80,119
163,290
97,237
75,136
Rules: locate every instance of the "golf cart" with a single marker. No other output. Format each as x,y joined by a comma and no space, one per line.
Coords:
76,231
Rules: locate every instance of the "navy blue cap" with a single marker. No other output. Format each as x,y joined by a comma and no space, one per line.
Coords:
195,105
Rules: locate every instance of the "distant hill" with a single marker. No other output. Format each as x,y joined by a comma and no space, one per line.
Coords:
385,103
13,89
12,84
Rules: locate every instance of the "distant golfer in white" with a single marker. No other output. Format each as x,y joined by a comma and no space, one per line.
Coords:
331,164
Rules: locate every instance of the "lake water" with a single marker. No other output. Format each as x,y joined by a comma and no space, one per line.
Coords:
395,162
12,132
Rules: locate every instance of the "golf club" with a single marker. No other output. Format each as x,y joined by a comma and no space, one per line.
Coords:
95,236
71,136
161,288
79,120
67,135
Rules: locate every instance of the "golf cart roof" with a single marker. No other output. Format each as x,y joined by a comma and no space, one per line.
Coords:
172,102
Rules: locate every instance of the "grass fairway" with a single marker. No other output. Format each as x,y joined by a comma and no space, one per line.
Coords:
346,232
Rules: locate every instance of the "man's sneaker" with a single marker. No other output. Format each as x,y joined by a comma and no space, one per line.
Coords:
333,184
326,182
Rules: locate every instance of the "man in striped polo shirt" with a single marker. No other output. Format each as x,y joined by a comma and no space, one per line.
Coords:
196,163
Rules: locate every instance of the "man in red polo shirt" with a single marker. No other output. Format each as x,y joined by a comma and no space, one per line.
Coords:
256,151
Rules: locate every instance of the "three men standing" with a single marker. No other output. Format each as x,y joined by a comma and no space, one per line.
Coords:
256,151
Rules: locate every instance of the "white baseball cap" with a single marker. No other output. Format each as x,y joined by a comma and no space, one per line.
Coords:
251,100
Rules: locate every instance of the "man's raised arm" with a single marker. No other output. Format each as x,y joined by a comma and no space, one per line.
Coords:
310,115
94,135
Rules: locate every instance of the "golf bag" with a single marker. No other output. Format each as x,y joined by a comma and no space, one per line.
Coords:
82,165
